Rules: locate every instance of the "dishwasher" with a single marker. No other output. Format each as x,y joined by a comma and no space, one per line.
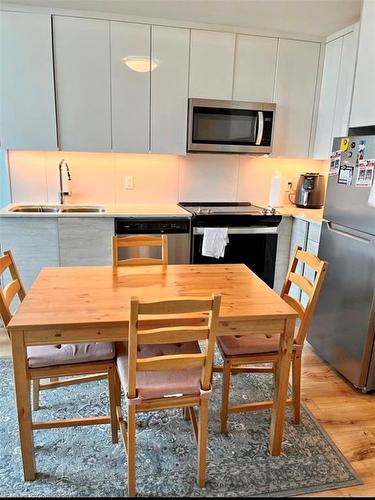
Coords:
176,228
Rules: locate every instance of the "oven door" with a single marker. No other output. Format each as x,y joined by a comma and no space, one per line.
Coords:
230,126
253,246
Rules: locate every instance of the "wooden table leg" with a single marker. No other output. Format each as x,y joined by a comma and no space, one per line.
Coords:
22,389
281,390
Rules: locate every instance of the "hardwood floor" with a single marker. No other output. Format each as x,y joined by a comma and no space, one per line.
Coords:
346,414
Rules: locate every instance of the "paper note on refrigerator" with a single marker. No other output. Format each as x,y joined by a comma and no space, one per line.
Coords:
371,198
365,174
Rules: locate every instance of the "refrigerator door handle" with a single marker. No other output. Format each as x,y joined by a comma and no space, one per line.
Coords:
347,234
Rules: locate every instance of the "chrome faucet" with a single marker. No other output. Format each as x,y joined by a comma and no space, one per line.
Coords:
62,193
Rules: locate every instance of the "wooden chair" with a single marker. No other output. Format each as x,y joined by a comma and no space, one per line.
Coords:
238,351
162,367
139,241
86,362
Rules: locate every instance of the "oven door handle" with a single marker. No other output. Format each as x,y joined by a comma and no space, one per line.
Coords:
243,230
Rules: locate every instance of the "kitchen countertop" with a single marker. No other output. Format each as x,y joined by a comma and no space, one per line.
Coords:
127,210
152,210
308,214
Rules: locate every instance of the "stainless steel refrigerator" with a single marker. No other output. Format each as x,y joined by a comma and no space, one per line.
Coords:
343,327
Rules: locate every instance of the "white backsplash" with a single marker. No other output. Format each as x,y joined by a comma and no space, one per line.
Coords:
99,178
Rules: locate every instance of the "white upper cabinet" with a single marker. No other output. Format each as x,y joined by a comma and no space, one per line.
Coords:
27,98
336,91
169,89
130,81
254,68
363,103
345,84
82,72
296,78
327,103
211,64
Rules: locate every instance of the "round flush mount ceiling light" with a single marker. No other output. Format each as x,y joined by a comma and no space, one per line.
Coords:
141,64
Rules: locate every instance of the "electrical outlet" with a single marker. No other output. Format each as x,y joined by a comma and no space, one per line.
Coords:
129,182
289,187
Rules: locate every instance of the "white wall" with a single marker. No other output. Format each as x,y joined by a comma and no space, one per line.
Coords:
100,177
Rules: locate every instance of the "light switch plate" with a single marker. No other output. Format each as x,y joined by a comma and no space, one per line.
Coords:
129,182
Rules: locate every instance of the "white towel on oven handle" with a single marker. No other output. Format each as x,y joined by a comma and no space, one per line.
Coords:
214,242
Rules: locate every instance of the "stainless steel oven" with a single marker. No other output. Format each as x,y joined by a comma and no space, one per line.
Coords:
230,126
252,234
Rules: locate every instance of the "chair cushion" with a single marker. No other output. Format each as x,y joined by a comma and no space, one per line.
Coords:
159,384
66,354
234,345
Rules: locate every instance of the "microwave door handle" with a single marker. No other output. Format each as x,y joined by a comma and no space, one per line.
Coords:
260,129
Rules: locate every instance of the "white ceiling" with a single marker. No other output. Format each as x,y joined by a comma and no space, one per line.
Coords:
309,17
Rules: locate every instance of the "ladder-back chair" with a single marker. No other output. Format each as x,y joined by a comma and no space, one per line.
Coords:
135,241
240,351
162,367
86,361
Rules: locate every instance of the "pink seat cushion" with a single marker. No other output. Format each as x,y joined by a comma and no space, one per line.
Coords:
158,384
66,354
233,345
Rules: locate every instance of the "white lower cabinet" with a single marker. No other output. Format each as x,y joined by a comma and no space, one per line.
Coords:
283,250
306,235
33,242
300,231
85,241
296,80
169,89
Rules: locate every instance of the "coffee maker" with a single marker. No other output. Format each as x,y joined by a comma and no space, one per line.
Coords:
310,191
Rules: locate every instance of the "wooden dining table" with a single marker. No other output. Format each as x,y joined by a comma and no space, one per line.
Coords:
91,304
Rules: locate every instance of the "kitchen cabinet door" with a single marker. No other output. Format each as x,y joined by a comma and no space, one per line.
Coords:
130,83
211,64
345,84
33,242
82,72
300,231
254,68
85,241
336,91
312,247
27,96
296,79
169,89
327,103
363,103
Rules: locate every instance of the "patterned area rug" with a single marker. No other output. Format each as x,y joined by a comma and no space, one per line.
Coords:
82,461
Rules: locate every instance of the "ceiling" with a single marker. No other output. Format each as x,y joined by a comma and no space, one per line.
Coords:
308,17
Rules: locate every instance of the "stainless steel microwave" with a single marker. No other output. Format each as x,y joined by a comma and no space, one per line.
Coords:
230,126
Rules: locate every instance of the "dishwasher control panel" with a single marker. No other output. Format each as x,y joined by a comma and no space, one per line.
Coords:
150,225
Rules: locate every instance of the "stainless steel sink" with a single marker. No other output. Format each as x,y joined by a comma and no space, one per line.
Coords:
56,209
35,208
82,209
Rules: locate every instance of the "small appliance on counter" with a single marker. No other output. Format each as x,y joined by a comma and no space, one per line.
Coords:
310,191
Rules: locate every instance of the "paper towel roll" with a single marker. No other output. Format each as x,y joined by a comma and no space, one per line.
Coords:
276,196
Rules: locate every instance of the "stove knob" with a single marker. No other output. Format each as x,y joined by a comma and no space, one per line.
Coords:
273,211
264,211
199,210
